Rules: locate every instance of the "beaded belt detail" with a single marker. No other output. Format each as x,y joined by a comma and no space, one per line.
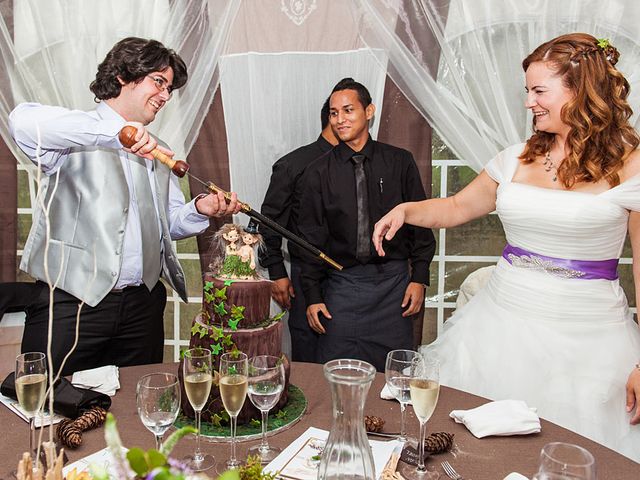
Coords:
561,267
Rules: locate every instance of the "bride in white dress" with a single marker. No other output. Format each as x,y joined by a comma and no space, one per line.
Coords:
553,327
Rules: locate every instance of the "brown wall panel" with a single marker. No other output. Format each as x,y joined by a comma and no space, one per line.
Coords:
209,160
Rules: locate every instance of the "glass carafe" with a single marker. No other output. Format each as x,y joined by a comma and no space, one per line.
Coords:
347,454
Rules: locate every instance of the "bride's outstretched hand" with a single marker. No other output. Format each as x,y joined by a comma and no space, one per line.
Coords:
633,395
387,227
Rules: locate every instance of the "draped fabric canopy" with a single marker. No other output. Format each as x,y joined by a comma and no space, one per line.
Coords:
475,102
50,52
474,99
457,61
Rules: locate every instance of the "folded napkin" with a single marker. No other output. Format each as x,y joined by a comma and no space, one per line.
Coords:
102,379
515,476
503,417
68,400
386,394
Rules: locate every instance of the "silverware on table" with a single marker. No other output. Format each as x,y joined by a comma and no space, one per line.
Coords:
385,434
450,471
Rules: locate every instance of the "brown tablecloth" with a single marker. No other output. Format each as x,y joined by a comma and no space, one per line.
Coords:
478,459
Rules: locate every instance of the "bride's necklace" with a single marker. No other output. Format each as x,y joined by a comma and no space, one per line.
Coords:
549,166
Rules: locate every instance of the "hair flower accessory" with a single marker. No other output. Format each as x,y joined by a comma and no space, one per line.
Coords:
610,52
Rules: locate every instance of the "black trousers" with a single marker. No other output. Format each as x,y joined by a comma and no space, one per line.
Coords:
125,328
365,305
16,296
304,340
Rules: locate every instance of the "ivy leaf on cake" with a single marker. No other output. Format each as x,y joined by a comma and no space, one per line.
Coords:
198,329
219,309
220,293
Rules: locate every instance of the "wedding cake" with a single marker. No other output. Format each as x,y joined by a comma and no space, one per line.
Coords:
235,315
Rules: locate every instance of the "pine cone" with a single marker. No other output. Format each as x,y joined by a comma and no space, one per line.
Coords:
69,434
92,418
439,442
373,423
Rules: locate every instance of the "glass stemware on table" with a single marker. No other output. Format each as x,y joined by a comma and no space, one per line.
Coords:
158,402
233,386
198,376
397,374
266,382
564,461
424,388
31,384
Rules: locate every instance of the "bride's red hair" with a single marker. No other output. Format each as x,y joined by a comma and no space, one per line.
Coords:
601,136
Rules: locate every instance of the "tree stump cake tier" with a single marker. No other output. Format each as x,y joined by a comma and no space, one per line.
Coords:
254,296
236,312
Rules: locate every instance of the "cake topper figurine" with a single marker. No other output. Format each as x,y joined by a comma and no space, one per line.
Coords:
239,246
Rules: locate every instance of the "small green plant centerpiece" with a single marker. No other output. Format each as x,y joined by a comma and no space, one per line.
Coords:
138,464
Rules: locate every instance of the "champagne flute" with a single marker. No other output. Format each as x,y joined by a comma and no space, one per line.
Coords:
31,384
233,390
266,382
198,377
397,374
424,388
564,461
158,401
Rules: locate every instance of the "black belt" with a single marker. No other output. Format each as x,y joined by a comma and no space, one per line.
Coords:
127,288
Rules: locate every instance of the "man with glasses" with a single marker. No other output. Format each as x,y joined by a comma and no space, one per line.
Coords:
113,214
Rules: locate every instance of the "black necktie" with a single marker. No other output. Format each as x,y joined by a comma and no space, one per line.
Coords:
362,196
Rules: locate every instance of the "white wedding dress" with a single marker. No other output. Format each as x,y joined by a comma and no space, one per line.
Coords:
566,346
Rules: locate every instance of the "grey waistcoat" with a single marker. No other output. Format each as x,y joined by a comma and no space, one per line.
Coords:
88,215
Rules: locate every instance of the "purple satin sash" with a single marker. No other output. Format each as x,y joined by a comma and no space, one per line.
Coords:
561,267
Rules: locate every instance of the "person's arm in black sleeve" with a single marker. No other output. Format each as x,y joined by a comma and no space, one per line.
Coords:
277,206
313,228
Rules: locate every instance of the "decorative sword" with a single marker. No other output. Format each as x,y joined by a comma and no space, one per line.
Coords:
181,168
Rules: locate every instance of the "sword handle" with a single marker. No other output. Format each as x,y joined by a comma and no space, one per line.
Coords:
127,137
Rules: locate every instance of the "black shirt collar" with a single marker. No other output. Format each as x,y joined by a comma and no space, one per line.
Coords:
324,145
345,152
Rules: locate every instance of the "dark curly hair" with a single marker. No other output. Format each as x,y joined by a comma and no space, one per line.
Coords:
600,136
131,59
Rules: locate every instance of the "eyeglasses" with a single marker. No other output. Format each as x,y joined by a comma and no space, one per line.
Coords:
161,84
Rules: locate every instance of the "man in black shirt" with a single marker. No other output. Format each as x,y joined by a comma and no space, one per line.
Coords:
363,311
280,204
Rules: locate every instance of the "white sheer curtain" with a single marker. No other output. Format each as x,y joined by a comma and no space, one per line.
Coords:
475,102
272,106
50,52
282,60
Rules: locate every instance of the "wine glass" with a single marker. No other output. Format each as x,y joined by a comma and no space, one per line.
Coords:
158,401
266,382
424,388
198,377
397,373
233,390
564,461
31,384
